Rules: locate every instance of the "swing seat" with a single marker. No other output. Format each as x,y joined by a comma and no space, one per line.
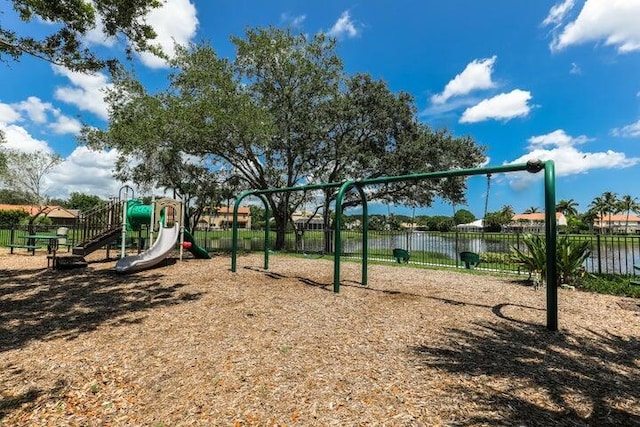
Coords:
401,255
470,259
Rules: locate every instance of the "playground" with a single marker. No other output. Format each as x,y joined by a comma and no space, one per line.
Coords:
192,343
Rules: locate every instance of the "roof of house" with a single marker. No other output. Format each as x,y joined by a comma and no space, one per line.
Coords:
50,211
535,216
221,210
618,218
539,217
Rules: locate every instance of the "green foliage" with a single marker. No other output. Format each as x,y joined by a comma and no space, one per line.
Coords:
494,221
72,21
463,216
495,258
83,202
283,113
257,217
38,220
534,258
15,197
13,217
570,256
610,284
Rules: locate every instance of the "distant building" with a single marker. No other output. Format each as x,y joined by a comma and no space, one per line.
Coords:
617,223
57,214
533,222
303,220
476,225
221,217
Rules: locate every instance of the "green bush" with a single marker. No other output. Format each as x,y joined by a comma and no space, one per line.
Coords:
40,220
610,284
12,217
495,258
570,256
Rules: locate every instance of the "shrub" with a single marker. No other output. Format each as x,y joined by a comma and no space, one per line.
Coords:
570,256
12,217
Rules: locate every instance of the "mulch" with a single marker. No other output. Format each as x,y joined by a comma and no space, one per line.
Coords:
191,343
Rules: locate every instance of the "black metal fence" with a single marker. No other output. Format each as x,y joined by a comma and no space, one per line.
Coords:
609,254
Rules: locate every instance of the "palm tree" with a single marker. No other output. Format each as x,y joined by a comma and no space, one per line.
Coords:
567,207
627,204
531,210
589,217
606,203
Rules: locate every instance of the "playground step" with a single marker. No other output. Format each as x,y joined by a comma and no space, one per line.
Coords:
69,261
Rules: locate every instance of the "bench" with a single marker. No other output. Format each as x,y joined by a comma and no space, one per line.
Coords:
401,255
31,248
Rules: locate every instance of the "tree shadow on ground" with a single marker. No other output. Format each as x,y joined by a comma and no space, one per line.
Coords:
558,379
47,304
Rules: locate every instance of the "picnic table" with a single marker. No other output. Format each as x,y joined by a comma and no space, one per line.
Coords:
31,243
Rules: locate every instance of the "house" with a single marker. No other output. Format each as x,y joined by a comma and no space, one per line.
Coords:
57,214
532,222
222,218
303,219
476,225
617,223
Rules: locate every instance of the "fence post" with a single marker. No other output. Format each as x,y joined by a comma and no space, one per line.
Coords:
599,254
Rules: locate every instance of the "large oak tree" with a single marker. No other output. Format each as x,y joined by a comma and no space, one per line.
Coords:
284,112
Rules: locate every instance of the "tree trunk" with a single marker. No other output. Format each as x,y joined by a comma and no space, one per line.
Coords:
281,229
327,226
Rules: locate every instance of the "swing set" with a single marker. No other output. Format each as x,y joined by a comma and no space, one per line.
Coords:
358,185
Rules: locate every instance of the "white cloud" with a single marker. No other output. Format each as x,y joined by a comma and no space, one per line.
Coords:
475,76
85,171
174,22
559,12
87,91
561,148
558,138
293,21
9,114
344,26
613,21
17,138
35,109
504,106
64,124
629,131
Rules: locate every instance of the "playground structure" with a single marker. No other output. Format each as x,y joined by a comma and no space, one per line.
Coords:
106,225
349,185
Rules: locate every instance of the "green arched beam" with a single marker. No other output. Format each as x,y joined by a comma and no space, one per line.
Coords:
261,194
531,166
344,187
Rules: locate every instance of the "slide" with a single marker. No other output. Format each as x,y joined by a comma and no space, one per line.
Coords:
164,244
196,250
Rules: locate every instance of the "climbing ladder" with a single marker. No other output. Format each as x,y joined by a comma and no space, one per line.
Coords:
98,227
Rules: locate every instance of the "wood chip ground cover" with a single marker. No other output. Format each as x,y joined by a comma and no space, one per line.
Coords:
191,343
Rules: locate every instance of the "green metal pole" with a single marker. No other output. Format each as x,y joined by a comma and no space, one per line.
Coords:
338,235
365,235
234,230
551,238
267,214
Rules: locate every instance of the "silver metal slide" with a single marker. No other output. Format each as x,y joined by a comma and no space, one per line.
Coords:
164,244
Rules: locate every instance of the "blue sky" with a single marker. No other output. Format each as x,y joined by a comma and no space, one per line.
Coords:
529,79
